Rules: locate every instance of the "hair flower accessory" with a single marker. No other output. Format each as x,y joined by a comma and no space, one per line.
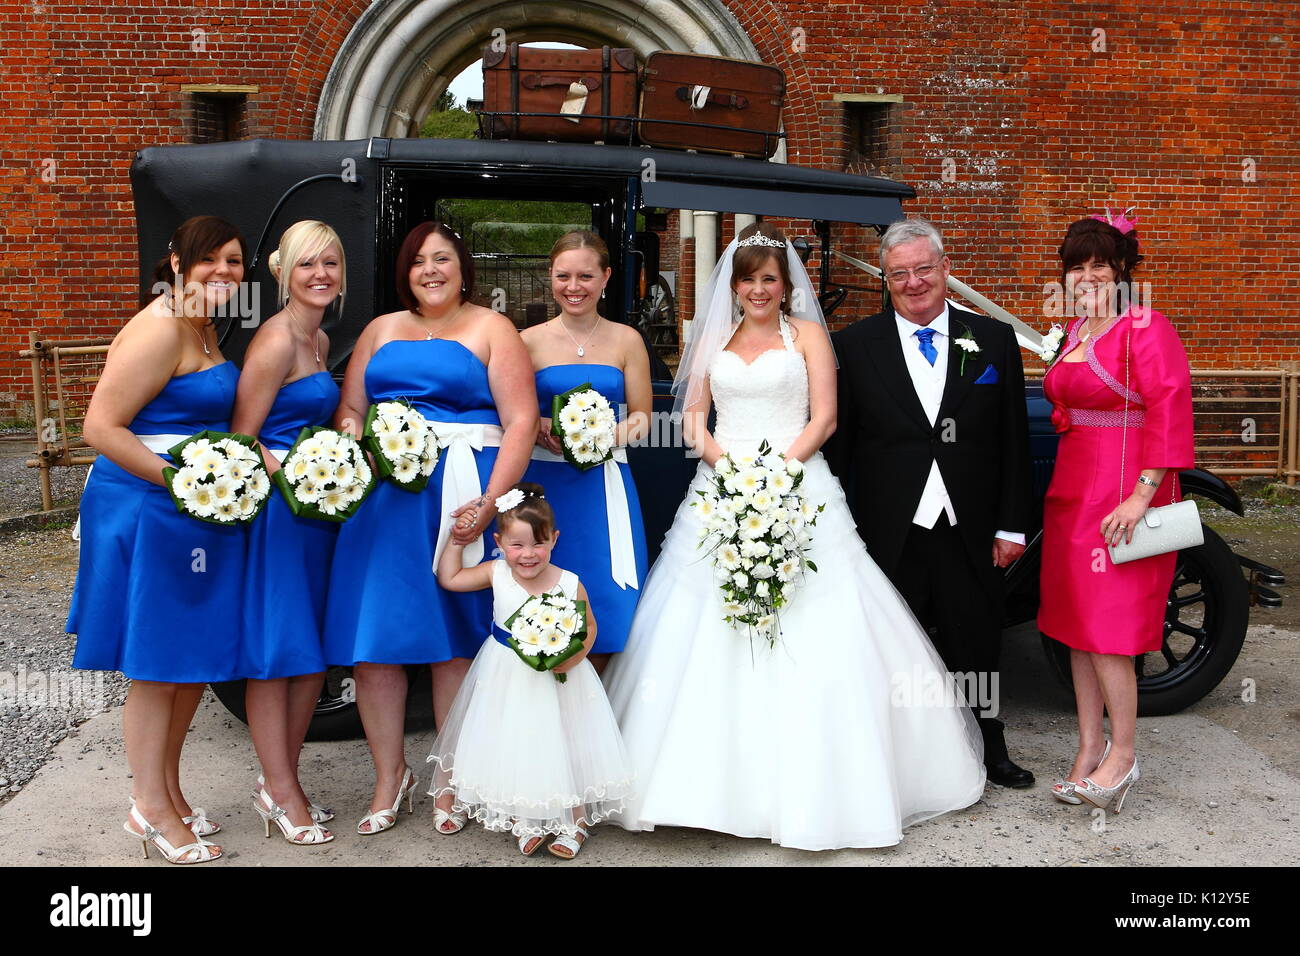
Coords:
511,499
1120,221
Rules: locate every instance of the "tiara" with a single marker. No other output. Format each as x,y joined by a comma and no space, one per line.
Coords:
758,239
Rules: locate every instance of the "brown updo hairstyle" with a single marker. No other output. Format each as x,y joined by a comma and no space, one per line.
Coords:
193,239
749,259
1089,239
582,239
534,510
411,248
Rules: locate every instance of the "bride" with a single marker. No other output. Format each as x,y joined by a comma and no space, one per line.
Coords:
833,737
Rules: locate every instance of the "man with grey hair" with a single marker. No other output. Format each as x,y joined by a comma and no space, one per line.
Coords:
932,446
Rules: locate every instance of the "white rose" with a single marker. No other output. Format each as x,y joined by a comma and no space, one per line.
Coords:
762,571
740,579
793,467
761,588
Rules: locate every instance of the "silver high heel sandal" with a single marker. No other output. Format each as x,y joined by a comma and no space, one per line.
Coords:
268,810
385,819
200,851
1103,797
457,819
1063,790
318,814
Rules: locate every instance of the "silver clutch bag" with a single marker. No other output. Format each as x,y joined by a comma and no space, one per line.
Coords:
1161,530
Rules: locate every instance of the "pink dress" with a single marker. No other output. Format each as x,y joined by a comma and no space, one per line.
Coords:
1088,602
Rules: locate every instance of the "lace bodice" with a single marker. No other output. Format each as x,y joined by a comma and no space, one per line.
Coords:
764,399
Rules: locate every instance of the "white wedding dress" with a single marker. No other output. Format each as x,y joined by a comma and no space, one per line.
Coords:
835,737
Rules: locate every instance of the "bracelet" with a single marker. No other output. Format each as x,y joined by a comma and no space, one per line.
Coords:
1143,479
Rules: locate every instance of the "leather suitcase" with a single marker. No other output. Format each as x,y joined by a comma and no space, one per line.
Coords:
576,82
740,94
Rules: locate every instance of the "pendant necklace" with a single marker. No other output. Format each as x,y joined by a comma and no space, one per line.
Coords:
582,349
429,334
315,340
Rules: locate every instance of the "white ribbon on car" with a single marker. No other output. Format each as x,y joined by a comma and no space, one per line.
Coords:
158,444
622,552
460,481
700,97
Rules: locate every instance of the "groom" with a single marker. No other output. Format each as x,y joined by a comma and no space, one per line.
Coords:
932,446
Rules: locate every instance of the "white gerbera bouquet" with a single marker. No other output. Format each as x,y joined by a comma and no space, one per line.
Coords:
324,475
221,479
547,630
755,520
403,443
584,421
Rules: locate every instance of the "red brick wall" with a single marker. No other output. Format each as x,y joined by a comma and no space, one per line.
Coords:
1014,123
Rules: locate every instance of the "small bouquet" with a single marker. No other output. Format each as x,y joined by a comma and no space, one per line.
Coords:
222,479
756,521
325,475
403,443
547,630
1051,343
584,421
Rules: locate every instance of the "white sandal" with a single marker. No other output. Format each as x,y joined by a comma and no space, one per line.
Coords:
318,814
1064,790
566,842
309,835
200,851
199,823
524,840
386,818
456,818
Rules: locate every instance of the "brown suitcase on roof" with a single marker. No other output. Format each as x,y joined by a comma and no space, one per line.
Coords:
742,95
573,82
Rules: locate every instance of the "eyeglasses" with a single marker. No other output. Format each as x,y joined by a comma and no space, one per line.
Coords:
898,276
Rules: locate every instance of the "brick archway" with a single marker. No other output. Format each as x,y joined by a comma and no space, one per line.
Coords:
401,54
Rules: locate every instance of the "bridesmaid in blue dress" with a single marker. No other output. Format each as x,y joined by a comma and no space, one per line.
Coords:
604,538
158,592
464,368
284,388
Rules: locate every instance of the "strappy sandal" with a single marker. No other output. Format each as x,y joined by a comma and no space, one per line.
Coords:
386,818
318,814
199,823
309,835
200,851
456,818
566,847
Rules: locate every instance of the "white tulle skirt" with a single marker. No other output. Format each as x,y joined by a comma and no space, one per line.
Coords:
526,754
834,738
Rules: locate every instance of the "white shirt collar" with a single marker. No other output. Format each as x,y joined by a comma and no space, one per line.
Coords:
908,329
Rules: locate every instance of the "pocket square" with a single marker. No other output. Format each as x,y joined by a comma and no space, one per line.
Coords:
988,377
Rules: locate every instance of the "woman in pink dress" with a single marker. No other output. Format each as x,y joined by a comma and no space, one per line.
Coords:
1121,393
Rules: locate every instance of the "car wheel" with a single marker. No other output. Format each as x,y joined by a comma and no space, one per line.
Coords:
1205,625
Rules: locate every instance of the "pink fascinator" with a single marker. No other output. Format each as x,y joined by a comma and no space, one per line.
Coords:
1120,221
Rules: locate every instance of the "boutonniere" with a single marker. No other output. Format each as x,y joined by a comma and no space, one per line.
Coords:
966,342
1052,344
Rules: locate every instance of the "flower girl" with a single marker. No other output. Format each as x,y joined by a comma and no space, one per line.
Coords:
530,745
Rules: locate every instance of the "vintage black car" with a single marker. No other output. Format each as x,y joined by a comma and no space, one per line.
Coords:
373,191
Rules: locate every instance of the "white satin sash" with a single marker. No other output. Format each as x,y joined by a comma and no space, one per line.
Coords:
622,553
158,444
460,481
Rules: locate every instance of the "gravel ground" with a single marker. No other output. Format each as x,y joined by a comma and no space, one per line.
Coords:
20,486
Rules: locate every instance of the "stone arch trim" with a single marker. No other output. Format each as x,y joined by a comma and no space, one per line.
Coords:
400,55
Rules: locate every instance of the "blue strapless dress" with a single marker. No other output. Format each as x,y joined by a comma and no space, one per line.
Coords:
158,593
578,500
385,605
288,557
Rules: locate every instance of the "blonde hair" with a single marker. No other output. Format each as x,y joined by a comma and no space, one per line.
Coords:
582,239
301,241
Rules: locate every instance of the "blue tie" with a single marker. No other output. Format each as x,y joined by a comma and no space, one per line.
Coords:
925,340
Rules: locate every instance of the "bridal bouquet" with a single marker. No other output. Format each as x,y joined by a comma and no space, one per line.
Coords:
756,522
584,421
403,443
221,479
325,475
547,630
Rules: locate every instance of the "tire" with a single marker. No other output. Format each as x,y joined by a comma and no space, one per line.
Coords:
336,716
1205,626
